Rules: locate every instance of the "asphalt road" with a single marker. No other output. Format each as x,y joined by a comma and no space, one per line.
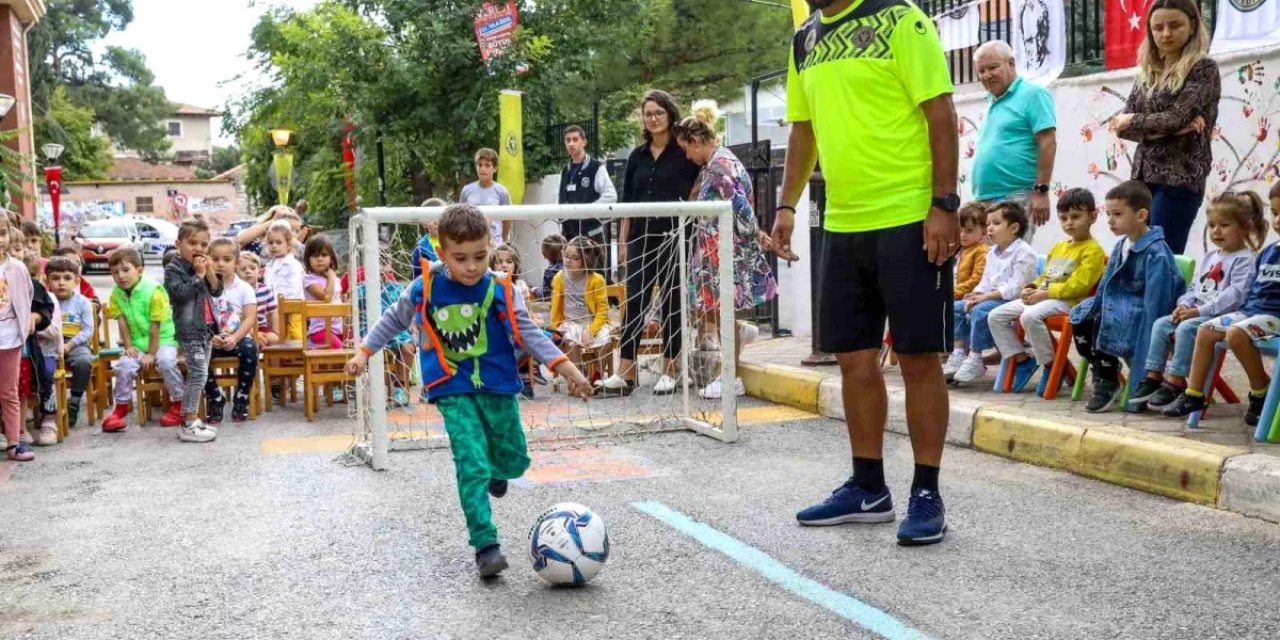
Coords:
139,536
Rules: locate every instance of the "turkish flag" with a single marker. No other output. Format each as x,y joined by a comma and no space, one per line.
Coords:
1126,26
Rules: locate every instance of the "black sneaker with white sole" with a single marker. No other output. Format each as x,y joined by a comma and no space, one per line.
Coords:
1163,397
1184,406
1105,395
1142,395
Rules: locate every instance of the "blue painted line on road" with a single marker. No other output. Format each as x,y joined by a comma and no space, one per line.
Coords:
843,605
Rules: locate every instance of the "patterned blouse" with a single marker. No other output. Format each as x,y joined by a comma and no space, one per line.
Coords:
1163,156
724,178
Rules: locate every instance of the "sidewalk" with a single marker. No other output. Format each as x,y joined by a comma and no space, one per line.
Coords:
1217,464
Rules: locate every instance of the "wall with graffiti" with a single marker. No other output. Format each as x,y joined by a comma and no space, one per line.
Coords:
1246,145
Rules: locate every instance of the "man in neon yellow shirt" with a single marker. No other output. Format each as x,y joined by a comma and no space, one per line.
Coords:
869,93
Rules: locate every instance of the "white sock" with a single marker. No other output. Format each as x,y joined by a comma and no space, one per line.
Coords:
976,356
959,351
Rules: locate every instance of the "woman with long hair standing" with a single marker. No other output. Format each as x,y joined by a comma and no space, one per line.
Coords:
1171,113
657,171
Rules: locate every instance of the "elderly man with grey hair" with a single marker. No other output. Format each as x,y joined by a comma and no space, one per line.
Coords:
1014,159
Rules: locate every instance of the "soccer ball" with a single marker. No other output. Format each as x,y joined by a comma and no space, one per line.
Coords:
568,544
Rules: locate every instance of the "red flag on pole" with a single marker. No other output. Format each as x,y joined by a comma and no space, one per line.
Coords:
1126,26
53,177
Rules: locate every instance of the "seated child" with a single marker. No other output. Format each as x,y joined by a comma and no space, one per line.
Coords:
283,272
553,253
41,358
1010,265
1140,284
141,307
472,381
63,275
85,287
249,269
1257,319
1237,227
321,285
426,248
579,301
972,257
235,311
1072,268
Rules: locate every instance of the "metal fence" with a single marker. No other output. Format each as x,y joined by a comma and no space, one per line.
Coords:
554,134
1085,32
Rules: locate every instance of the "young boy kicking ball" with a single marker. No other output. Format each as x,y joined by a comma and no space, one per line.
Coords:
469,342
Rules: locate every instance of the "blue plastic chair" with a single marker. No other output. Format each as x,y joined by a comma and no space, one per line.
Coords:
1268,427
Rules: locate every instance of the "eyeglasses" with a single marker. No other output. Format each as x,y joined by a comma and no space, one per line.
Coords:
654,115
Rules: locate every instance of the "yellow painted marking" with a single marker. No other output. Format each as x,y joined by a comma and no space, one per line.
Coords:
771,414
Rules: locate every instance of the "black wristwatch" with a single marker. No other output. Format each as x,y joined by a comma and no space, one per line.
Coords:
949,203
1042,188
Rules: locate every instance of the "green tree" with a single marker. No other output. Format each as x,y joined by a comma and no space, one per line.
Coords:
114,82
85,156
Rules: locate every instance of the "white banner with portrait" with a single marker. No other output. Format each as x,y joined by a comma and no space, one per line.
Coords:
958,28
1039,38
1244,24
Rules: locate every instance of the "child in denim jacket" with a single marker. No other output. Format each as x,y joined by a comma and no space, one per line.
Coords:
1140,284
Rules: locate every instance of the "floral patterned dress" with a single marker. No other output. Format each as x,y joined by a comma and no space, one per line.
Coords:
724,178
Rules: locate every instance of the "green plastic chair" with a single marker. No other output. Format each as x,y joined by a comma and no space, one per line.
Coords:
1187,266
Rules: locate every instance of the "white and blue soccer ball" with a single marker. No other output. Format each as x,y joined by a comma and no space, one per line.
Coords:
568,544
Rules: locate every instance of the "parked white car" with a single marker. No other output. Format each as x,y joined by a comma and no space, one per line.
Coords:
157,235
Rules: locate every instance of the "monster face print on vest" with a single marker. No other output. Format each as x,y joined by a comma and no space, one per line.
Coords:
463,331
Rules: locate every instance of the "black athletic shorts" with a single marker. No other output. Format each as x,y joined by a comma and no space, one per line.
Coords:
873,275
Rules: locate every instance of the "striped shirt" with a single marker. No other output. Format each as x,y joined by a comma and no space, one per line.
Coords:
266,306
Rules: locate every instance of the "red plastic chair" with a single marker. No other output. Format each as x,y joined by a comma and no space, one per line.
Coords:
1061,366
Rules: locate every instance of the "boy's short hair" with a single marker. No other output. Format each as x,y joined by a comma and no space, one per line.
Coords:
192,227
251,257
1134,193
973,213
553,247
1012,213
62,264
168,257
30,229
223,242
1077,198
487,154
126,254
462,223
68,251
573,128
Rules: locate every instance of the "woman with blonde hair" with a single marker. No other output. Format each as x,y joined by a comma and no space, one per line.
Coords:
723,178
1171,113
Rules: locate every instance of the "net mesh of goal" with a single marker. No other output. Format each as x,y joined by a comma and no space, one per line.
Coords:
682,334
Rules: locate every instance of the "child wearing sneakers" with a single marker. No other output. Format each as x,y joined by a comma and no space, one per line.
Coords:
472,326
141,306
1237,227
1139,285
192,283
1257,319
972,259
235,311
1072,268
63,275
1011,264
20,314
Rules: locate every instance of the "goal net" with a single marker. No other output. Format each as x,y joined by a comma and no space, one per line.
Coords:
683,338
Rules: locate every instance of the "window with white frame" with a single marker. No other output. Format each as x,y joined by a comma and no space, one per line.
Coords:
175,129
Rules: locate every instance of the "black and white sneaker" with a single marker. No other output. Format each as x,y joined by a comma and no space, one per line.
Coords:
1164,396
1254,412
1105,395
1184,406
1142,395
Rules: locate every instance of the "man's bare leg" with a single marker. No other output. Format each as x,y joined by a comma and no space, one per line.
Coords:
928,407
866,402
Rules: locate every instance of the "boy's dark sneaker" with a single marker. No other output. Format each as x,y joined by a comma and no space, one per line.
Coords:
213,410
1164,396
73,413
1184,406
926,521
1105,395
1141,396
490,561
849,503
1254,412
527,391
240,410
497,488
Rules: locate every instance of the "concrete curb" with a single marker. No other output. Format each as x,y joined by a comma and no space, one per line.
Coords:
1228,478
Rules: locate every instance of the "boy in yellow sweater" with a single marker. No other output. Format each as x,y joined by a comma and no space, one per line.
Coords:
1072,269
972,258
580,301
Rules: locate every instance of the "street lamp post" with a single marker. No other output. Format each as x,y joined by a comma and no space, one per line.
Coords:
283,163
53,178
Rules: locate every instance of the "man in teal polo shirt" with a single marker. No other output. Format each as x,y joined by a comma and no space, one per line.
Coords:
1014,159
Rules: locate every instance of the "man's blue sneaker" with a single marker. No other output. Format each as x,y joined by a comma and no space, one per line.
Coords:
926,521
849,503
1022,374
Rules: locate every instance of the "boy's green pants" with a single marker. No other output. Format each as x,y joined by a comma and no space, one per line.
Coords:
488,443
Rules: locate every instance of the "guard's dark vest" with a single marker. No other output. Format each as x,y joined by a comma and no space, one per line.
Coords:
584,182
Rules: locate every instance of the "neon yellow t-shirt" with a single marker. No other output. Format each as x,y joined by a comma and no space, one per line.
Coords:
859,77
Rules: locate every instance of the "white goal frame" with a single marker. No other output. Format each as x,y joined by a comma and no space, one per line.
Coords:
365,245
